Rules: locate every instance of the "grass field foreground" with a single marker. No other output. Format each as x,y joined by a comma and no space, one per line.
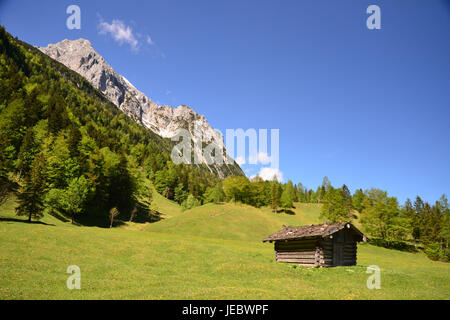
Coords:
209,252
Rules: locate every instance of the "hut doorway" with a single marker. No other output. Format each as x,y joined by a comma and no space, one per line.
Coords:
338,253
338,249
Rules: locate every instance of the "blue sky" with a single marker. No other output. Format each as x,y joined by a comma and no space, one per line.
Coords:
368,108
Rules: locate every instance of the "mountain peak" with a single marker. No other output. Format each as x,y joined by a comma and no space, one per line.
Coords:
80,40
80,56
75,45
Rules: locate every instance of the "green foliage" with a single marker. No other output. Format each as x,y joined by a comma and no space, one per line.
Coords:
444,234
61,168
215,194
291,190
381,216
47,108
346,194
190,202
71,200
180,194
357,200
275,194
237,189
336,205
53,201
286,199
76,195
435,252
27,153
30,197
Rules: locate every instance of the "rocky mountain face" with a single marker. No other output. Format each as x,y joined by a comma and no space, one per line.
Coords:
80,56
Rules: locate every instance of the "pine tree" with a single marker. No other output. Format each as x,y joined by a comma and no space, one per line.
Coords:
179,194
286,198
4,188
321,193
413,219
292,192
34,108
326,184
357,200
27,153
347,198
301,193
275,194
445,228
56,114
418,209
74,141
336,206
31,197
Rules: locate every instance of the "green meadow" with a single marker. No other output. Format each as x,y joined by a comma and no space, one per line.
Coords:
209,252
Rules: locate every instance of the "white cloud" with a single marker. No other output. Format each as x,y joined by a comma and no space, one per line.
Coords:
268,174
149,40
262,158
120,32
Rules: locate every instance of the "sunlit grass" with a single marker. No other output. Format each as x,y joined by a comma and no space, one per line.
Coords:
210,252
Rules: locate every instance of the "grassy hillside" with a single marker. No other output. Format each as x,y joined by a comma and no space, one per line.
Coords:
234,221
210,252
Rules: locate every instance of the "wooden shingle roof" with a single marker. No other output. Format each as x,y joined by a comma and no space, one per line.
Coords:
311,231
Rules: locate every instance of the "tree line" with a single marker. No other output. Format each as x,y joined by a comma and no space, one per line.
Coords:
390,223
382,217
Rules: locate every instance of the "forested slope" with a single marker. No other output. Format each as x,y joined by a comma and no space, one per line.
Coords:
65,148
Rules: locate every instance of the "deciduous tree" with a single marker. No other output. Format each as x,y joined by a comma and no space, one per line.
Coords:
114,212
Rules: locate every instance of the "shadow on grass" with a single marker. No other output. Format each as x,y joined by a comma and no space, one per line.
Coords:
59,216
286,211
393,244
3,219
100,219
149,216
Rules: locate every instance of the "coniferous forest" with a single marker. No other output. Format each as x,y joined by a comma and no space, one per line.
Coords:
67,151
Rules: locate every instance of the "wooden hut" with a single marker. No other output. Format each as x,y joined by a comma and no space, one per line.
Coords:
324,245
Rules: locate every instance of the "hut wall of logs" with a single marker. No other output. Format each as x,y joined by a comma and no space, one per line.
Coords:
326,245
